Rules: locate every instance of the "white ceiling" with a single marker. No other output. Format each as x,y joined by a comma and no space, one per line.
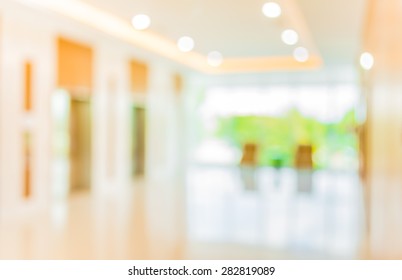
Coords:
237,28
337,28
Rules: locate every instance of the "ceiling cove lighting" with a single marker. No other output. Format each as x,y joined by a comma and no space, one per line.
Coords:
301,54
121,29
290,37
271,10
366,61
215,59
141,22
185,44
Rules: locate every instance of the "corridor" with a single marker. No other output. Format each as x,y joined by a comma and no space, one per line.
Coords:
212,217
200,129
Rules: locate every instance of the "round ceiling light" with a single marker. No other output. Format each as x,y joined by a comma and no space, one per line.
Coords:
215,59
290,37
366,60
185,44
141,22
301,54
271,10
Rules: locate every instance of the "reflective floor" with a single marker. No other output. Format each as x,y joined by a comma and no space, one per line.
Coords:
217,213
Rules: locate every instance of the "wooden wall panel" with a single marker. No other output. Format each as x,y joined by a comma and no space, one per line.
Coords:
138,77
28,87
383,129
27,145
178,84
74,64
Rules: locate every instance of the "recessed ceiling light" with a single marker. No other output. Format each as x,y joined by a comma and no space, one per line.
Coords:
301,54
271,10
215,59
185,44
366,60
290,37
141,22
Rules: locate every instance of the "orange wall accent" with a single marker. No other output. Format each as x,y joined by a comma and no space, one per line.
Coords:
27,165
28,87
178,83
138,77
74,64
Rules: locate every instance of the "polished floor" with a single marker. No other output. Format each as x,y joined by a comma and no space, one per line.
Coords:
216,213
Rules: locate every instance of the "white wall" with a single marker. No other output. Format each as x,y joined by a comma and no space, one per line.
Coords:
23,40
28,35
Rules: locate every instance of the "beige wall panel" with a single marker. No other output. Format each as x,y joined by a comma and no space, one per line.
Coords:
383,87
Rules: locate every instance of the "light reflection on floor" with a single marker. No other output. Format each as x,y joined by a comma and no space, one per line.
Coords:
213,217
326,223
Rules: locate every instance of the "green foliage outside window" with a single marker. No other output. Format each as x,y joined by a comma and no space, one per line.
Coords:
278,137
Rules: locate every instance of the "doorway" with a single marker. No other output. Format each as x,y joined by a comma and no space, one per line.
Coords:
72,143
138,116
80,144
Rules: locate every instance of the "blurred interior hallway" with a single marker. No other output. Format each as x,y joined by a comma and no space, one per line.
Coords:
154,221
120,141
